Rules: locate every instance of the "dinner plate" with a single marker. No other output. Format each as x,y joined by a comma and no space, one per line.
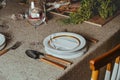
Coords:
1,47
67,56
65,53
64,42
2,41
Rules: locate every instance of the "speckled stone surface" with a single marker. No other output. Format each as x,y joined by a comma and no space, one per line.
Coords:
15,65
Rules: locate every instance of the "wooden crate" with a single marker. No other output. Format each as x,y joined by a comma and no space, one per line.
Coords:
98,21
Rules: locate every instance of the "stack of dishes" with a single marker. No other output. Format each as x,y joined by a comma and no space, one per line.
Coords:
65,45
2,41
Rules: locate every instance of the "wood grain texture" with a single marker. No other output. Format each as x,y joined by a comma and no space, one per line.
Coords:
95,75
53,63
107,57
98,21
3,51
59,59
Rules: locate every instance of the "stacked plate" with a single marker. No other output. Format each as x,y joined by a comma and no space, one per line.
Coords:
65,45
2,41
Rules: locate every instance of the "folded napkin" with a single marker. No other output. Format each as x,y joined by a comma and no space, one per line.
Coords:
64,43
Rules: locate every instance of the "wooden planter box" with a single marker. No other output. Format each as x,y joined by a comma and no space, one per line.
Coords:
96,20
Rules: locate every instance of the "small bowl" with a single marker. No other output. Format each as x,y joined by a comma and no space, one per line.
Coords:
2,41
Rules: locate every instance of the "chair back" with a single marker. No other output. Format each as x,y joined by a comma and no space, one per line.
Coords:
106,59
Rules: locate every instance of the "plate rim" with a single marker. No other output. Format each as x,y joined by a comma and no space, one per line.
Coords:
3,39
80,37
67,56
63,36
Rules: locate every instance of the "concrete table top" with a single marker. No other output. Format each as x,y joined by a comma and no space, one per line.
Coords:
15,65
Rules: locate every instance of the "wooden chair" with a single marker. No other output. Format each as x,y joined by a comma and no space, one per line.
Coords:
106,59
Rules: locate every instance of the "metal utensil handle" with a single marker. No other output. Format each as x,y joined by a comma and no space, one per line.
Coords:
3,51
93,40
58,59
53,63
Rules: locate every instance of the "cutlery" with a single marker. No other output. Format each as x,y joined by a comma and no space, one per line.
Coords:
91,39
59,59
16,45
38,55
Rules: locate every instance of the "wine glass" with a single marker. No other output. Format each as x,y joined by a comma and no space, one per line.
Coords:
36,15
37,21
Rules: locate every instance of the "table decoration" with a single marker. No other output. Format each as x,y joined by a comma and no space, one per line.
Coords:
90,11
36,14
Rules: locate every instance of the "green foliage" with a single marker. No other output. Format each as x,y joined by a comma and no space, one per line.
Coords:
84,12
90,8
107,8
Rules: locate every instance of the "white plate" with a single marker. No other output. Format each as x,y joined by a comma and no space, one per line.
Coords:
65,53
64,42
1,47
67,56
2,39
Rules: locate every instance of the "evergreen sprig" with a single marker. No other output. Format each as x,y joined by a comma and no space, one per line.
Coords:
90,8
